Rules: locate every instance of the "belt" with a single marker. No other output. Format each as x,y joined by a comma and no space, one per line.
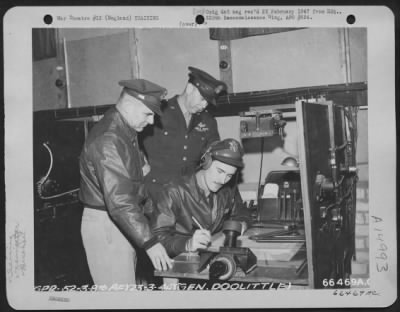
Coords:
102,208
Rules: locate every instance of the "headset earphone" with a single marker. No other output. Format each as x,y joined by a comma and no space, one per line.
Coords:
206,158
213,151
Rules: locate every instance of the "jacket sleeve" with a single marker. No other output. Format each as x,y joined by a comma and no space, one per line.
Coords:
163,221
123,190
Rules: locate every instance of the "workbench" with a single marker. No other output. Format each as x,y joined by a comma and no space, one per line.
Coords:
288,267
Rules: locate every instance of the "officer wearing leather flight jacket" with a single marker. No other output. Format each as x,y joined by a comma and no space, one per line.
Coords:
103,172
112,188
204,196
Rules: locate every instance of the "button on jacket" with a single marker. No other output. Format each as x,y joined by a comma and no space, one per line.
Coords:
172,147
181,199
112,179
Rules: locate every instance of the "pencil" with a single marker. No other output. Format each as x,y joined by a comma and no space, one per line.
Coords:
197,223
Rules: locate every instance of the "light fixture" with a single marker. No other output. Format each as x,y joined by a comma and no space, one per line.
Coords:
290,161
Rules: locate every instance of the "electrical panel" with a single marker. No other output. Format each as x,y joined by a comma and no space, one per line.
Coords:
328,178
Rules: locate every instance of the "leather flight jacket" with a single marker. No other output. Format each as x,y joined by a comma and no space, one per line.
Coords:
112,178
181,199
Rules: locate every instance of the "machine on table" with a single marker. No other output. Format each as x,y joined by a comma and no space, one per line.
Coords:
234,258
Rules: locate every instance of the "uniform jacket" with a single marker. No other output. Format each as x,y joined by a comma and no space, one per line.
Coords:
112,178
172,148
181,199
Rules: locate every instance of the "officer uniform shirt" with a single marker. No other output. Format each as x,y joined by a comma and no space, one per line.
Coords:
174,148
186,114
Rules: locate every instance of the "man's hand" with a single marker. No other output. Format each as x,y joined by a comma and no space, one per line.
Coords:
244,227
159,257
200,239
146,169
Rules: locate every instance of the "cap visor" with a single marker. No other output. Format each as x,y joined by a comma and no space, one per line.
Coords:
210,100
156,109
213,102
230,161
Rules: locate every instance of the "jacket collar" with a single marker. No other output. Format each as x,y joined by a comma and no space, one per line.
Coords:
195,186
173,102
123,124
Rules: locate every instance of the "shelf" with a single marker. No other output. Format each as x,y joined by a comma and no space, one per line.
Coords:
353,94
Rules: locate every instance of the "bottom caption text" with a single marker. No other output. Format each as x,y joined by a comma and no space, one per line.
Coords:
168,286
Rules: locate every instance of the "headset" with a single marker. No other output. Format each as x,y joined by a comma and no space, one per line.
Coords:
207,157
213,151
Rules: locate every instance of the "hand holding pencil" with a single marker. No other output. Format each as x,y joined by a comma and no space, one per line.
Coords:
201,238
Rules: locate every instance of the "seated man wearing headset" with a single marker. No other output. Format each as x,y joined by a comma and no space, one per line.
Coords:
191,208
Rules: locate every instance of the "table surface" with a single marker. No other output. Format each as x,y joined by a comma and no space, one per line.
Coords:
186,265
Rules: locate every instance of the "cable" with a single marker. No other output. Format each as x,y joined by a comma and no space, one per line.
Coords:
261,165
61,194
42,180
351,114
235,189
347,195
40,183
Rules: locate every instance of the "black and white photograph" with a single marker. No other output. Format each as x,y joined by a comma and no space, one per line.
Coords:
203,151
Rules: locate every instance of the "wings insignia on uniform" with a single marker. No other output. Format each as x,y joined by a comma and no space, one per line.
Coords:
201,127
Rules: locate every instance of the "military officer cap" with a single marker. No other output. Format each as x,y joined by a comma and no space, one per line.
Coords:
228,151
209,87
149,93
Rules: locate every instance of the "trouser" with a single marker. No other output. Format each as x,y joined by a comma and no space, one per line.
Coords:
111,258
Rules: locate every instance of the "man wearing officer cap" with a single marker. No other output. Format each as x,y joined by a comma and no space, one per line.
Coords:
112,188
174,146
192,208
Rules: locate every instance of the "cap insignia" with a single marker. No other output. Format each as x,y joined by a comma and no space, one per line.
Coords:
163,95
233,146
218,89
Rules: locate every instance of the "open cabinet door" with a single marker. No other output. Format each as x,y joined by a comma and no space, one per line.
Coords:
48,69
328,178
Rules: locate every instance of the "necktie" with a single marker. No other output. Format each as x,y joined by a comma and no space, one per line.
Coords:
211,200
